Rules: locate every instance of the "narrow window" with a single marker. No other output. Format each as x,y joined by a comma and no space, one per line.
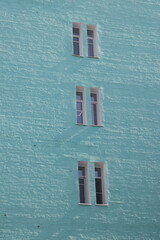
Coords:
90,38
83,178
92,41
95,106
77,39
100,183
80,105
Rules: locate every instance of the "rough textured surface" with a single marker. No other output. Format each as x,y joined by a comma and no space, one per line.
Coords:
39,140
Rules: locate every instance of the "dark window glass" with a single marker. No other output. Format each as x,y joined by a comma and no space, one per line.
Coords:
94,108
99,198
98,183
90,33
93,97
81,181
90,50
81,171
80,119
90,41
94,113
76,31
97,172
79,107
81,191
76,45
75,39
81,174
76,48
79,113
79,95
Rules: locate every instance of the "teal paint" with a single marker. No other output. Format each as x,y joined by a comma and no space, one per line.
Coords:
40,142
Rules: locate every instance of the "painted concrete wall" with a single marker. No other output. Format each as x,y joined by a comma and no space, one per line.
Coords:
40,144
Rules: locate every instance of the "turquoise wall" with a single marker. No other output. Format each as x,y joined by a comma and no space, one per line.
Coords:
40,144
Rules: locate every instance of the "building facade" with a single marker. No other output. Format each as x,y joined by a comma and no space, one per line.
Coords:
79,95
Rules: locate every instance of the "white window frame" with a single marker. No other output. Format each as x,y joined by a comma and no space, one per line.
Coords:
97,104
94,38
79,26
86,179
83,101
101,165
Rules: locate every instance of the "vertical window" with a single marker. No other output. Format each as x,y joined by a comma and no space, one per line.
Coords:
83,179
77,39
95,106
92,41
80,105
100,183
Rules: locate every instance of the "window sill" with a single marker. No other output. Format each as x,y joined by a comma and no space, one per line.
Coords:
102,205
93,57
81,124
77,56
84,56
92,125
85,204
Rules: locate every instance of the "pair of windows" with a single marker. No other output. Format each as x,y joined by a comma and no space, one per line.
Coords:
78,41
84,183
94,104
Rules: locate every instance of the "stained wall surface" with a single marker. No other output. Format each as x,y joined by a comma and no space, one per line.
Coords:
40,142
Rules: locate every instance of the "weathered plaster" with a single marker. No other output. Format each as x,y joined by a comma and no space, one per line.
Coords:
40,144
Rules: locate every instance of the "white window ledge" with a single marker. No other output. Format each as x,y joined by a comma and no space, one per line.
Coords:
84,56
97,125
85,204
102,205
93,57
77,56
81,124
